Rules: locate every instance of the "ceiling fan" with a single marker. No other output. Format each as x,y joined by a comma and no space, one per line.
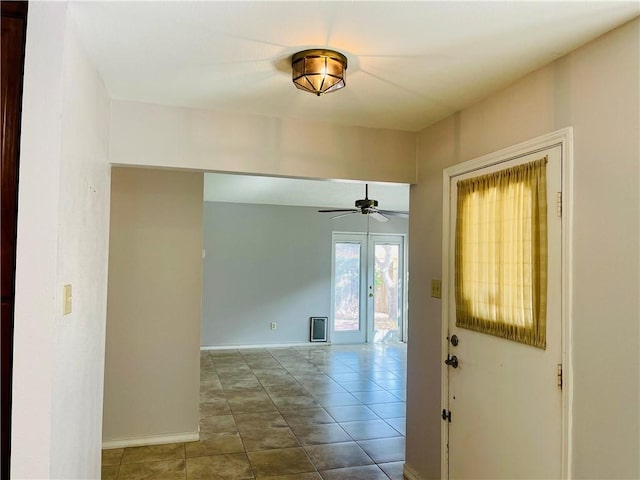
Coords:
366,206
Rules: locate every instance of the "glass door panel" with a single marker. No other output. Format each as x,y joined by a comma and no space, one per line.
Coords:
346,295
349,308
387,289
368,288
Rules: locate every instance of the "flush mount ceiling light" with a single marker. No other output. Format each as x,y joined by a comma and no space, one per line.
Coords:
319,71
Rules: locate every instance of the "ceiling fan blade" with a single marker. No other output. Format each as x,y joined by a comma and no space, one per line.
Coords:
344,214
350,210
393,213
378,216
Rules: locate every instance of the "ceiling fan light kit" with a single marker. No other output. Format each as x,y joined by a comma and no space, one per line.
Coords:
319,71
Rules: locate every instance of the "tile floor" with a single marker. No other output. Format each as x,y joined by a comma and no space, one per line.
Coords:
304,413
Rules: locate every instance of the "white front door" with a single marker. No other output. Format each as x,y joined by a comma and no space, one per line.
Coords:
504,398
368,288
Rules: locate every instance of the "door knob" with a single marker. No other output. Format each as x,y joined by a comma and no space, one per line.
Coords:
451,361
371,294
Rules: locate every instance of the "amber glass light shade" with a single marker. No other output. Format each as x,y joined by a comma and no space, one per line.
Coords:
319,71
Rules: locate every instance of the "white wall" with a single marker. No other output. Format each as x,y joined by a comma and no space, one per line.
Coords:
160,136
152,382
268,263
596,90
62,239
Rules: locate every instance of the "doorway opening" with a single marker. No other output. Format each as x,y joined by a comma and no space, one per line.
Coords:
265,235
368,288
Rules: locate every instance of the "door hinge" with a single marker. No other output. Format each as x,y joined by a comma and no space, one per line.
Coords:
560,380
559,204
446,415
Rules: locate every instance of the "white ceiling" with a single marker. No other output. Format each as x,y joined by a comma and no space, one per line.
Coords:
296,192
410,63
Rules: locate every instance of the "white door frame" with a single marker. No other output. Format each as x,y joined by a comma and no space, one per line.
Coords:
360,335
394,239
366,304
564,138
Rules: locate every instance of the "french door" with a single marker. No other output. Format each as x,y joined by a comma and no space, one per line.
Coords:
368,288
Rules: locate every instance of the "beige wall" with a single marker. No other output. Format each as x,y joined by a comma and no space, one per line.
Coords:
153,310
596,90
64,197
160,136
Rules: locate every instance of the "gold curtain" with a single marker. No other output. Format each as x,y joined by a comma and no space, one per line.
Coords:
501,253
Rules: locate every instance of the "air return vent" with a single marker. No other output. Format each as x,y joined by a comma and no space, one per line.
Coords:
318,329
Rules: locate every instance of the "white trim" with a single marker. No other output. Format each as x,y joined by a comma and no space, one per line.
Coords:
410,474
405,294
367,240
564,138
444,299
567,302
392,239
152,440
360,336
266,345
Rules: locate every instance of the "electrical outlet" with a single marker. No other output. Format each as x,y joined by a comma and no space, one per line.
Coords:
274,325
436,289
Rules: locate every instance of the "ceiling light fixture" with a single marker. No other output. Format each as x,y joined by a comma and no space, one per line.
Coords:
319,71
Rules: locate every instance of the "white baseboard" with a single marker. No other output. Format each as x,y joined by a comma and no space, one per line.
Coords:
409,473
151,440
266,345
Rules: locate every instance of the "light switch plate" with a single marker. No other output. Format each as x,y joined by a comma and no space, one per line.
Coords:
66,299
436,288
